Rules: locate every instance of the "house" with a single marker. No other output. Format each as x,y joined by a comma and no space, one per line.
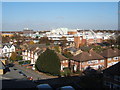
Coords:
111,55
33,51
7,49
63,60
74,51
112,77
85,59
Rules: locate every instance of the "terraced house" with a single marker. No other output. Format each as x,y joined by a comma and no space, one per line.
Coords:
112,56
33,51
103,60
85,59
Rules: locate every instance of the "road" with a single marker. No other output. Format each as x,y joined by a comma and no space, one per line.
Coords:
14,79
32,73
14,74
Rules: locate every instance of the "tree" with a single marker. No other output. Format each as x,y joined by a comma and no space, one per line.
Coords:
63,41
31,42
48,62
57,49
13,56
44,40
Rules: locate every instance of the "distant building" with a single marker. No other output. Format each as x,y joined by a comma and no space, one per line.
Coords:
27,32
7,34
112,77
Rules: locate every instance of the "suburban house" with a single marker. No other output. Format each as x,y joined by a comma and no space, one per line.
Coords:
63,60
112,56
33,51
85,59
112,77
7,49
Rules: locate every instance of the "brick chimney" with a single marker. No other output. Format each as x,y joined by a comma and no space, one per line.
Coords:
77,41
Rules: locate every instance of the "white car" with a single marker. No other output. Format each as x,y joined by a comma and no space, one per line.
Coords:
44,87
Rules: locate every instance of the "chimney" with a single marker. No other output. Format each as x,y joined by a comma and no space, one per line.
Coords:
77,41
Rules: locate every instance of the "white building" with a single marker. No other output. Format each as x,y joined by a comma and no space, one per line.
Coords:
7,49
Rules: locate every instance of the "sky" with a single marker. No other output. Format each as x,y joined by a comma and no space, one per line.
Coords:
52,15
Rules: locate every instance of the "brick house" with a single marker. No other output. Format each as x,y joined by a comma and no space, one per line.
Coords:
63,60
85,59
112,56
112,77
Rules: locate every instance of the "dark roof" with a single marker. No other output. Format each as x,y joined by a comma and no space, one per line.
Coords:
7,44
86,56
85,48
61,57
113,70
110,53
72,49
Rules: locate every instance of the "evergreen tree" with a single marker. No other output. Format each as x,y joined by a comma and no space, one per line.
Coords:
48,62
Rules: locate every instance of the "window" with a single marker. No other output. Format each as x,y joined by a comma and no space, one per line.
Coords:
101,60
109,59
115,58
5,50
89,62
93,62
117,78
110,64
116,87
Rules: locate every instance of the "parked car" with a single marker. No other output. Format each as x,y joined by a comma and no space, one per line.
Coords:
25,65
30,78
21,73
66,88
44,87
10,65
30,66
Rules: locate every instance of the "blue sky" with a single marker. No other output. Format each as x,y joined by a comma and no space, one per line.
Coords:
51,15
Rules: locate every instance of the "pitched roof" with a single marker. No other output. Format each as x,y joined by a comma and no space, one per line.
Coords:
86,56
110,53
61,57
72,49
113,70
